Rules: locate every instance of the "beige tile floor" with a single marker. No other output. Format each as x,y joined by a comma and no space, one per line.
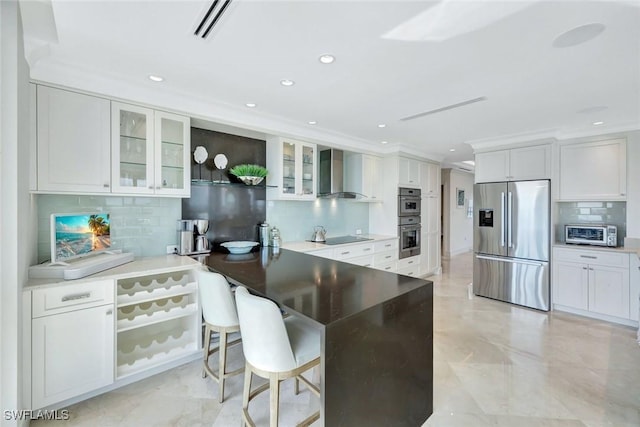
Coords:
495,364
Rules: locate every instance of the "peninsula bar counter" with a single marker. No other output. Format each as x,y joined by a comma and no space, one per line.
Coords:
377,331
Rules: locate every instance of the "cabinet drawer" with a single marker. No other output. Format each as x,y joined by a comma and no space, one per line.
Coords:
409,271
385,257
411,262
324,253
351,251
72,297
386,245
365,261
388,266
608,258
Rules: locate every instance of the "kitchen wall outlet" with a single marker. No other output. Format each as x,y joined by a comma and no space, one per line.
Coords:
358,231
172,249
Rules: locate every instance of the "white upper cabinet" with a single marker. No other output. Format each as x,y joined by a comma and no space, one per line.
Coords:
292,169
430,179
594,170
88,145
363,175
150,151
408,172
73,142
515,164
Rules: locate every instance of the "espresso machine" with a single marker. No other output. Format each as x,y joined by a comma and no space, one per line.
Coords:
192,236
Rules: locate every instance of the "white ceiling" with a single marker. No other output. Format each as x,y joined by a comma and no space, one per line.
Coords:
532,89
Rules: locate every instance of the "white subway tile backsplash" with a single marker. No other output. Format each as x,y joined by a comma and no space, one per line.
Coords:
142,225
614,213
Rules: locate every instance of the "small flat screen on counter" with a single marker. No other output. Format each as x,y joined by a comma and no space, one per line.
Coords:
485,217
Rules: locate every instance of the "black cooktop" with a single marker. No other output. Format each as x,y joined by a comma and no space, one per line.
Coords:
343,239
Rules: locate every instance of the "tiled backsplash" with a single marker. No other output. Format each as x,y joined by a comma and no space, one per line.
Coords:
296,220
613,213
142,225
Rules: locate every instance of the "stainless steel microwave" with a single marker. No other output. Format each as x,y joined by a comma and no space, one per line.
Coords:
599,235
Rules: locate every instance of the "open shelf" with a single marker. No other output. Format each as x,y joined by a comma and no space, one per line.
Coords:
142,318
235,184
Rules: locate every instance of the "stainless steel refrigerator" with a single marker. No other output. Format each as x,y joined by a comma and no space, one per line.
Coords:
511,242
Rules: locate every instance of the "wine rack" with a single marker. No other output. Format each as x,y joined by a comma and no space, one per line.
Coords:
157,320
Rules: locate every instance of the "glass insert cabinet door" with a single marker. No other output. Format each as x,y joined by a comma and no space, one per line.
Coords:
298,170
172,174
132,148
150,151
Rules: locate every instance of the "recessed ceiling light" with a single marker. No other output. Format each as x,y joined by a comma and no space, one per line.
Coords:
156,78
598,123
327,59
382,125
287,82
383,142
469,162
313,122
452,149
250,105
579,35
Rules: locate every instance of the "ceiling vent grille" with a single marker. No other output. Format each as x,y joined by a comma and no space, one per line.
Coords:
448,107
211,18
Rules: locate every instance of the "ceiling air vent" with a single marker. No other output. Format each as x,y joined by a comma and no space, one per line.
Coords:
448,107
213,15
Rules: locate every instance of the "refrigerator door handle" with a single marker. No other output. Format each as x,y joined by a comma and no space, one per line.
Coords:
511,260
502,220
510,230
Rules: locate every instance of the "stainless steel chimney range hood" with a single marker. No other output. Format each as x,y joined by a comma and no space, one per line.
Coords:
331,173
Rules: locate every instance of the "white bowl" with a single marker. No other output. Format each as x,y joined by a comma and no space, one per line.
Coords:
239,247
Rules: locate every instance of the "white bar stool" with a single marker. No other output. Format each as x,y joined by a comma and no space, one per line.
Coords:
219,312
276,349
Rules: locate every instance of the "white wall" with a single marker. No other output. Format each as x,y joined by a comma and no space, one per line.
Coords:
457,228
17,240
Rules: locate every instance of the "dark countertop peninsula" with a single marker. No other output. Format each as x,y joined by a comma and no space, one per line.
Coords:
377,331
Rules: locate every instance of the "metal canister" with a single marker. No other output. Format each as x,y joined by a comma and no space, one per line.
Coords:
264,234
275,237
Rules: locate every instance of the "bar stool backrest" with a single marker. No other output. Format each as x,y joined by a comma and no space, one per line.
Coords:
218,307
265,341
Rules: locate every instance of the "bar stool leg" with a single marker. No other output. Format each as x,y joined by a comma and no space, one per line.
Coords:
222,367
274,391
245,393
207,343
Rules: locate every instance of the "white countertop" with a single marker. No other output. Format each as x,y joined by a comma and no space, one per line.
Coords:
137,267
311,246
599,248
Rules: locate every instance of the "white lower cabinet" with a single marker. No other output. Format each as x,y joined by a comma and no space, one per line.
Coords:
409,266
88,337
381,254
72,342
592,282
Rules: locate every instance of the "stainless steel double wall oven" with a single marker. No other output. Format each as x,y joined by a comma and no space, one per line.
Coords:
409,221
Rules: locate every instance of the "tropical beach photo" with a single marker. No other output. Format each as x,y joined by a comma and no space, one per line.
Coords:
78,235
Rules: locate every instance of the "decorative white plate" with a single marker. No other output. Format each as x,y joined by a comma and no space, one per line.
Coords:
220,160
239,246
200,154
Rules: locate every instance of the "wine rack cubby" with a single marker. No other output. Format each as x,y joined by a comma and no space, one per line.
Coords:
158,318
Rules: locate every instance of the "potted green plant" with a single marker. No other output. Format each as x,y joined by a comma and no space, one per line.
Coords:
249,174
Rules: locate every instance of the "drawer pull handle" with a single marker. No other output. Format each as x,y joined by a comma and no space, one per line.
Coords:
388,256
388,245
410,262
387,268
584,268
366,249
345,253
76,296
588,256
110,312
367,265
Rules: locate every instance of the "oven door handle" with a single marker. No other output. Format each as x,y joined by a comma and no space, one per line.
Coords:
410,227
